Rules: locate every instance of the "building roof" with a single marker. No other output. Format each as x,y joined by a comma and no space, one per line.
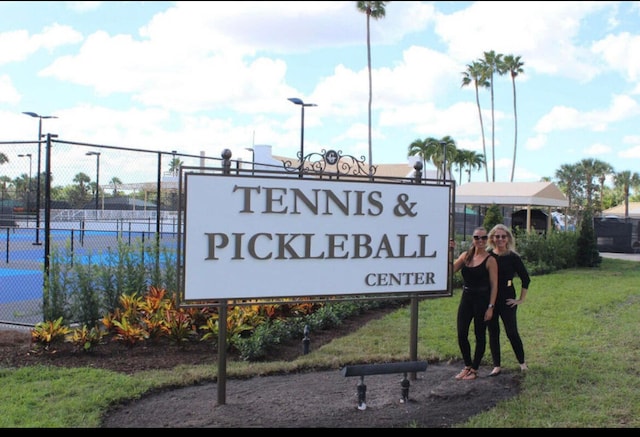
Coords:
511,193
618,210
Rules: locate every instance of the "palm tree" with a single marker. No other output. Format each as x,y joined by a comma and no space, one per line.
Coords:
513,65
444,156
475,73
21,184
568,177
625,180
459,161
472,160
603,170
82,179
78,193
433,150
492,63
4,181
115,181
591,168
375,10
3,158
419,148
174,166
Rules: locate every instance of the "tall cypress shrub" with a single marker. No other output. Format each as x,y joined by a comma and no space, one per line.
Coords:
588,255
492,217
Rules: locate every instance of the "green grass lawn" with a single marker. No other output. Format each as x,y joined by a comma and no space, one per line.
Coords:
579,328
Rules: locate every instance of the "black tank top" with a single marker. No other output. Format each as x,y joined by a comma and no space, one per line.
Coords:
476,277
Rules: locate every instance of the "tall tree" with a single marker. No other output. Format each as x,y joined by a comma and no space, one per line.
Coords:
375,10
21,184
472,161
459,161
78,194
174,166
625,180
5,181
3,158
587,253
82,179
589,169
513,65
420,148
475,73
440,152
568,177
115,181
445,152
603,170
492,63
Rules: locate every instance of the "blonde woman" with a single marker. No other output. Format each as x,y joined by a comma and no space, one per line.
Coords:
502,247
480,274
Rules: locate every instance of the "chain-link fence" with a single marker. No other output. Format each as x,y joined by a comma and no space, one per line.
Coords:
79,205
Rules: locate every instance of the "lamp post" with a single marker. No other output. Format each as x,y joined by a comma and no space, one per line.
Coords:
253,159
444,161
28,155
297,101
97,155
39,117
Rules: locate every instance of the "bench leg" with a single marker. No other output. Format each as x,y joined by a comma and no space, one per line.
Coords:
404,384
362,394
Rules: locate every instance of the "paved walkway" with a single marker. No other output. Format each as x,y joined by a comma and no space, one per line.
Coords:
626,256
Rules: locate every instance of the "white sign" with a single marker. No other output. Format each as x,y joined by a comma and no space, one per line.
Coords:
248,237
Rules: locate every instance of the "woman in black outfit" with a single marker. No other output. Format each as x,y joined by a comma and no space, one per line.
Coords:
502,247
480,273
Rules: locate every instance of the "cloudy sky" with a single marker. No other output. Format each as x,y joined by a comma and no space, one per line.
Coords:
204,76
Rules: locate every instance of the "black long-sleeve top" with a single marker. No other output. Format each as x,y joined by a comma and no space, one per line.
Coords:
510,265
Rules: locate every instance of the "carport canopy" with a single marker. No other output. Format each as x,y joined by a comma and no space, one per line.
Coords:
527,195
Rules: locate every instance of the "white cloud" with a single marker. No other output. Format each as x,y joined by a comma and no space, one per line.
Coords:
8,93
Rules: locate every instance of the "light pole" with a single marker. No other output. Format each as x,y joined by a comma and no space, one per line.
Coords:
28,155
444,161
302,104
253,159
40,117
97,155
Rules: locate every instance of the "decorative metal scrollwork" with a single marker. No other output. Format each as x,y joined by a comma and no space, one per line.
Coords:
330,163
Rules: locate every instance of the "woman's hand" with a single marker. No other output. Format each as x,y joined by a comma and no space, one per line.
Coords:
513,302
488,314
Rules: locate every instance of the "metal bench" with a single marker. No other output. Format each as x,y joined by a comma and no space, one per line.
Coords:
363,370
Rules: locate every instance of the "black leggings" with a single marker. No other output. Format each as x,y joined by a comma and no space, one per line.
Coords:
510,322
472,308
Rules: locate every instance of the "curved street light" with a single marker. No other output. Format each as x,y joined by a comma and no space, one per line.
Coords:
40,117
302,104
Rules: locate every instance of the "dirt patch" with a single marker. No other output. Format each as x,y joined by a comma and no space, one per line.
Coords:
323,399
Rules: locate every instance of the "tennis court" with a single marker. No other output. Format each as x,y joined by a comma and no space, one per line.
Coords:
22,261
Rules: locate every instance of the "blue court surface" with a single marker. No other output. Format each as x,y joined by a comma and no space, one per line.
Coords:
22,261
29,283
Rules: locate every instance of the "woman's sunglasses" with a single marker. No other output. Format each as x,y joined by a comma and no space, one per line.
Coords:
483,237
498,237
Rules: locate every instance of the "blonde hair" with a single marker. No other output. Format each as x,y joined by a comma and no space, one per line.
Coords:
511,240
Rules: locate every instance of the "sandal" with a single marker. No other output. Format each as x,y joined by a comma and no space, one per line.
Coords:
496,371
464,372
471,375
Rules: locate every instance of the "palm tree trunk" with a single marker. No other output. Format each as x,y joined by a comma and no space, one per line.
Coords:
484,145
515,134
370,95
